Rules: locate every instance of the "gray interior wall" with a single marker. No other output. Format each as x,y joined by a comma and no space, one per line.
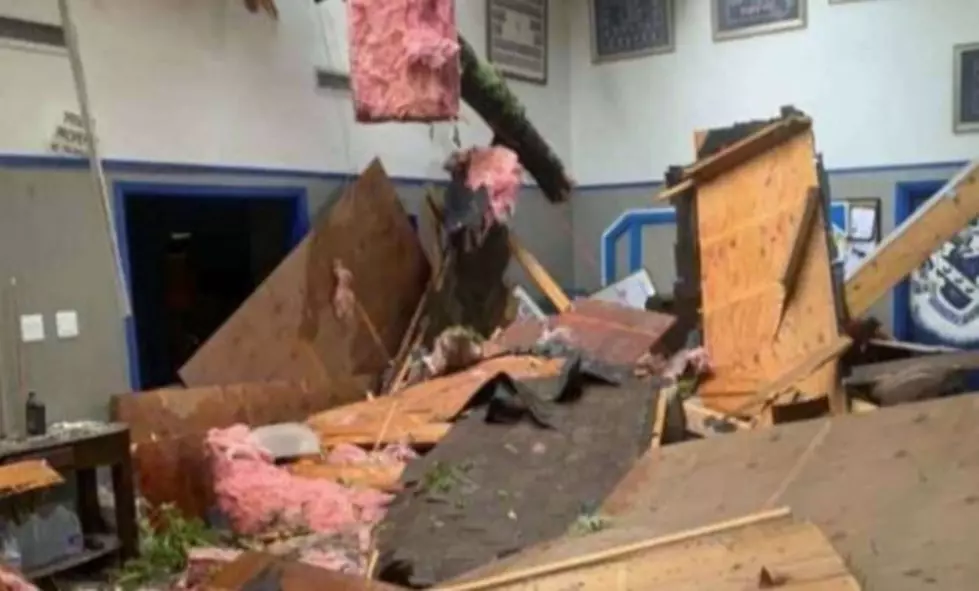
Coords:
53,242
596,208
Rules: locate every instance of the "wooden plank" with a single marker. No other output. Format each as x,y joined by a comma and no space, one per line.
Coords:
894,490
659,420
935,362
539,275
288,328
737,154
934,223
728,556
748,220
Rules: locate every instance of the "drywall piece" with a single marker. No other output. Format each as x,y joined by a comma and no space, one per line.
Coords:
66,324
32,328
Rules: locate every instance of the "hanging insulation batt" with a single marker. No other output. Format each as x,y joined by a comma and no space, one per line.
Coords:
404,60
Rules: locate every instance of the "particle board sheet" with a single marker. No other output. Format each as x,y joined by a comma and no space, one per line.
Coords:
726,556
609,332
288,329
747,221
896,491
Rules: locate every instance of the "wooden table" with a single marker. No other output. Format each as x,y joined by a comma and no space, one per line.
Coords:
82,451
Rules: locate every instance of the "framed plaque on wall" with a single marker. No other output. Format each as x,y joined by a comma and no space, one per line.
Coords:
966,90
743,18
622,29
516,38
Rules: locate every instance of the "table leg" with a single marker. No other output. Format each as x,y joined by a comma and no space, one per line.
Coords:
89,513
122,487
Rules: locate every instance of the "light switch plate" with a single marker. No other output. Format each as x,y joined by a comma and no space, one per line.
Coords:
66,323
32,328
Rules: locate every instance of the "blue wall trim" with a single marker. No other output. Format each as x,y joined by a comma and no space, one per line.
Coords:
123,190
631,221
120,165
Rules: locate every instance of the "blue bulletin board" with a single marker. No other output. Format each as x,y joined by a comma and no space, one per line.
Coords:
743,18
967,88
623,29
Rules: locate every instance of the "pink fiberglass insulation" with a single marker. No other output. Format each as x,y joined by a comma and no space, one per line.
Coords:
404,60
254,493
498,170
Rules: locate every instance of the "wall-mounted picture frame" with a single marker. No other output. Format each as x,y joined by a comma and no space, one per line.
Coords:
624,29
517,38
735,19
966,89
863,224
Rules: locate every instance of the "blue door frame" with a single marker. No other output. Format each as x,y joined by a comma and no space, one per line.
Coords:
905,197
125,190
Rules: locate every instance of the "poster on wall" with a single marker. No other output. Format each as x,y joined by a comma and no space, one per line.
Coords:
945,289
733,19
622,29
855,226
631,291
70,136
516,38
966,91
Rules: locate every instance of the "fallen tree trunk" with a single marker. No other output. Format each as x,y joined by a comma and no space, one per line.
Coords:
485,90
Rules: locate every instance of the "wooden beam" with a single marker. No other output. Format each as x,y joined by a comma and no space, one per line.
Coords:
910,245
539,275
796,255
736,154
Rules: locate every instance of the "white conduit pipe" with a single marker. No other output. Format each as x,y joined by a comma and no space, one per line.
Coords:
94,157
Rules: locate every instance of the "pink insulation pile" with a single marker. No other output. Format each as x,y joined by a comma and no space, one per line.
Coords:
404,60
498,170
254,493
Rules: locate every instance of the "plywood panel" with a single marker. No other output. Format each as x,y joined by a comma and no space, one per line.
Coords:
288,329
748,220
719,557
894,490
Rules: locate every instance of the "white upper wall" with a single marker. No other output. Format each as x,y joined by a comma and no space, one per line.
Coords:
205,81
876,75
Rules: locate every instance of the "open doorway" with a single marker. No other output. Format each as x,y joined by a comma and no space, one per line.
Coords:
193,254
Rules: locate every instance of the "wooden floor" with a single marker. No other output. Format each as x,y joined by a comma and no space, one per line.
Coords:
896,491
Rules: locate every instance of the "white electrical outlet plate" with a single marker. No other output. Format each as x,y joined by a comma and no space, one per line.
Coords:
66,324
32,328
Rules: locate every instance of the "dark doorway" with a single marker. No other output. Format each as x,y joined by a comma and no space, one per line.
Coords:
192,261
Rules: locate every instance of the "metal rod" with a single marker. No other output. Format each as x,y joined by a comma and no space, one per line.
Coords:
94,157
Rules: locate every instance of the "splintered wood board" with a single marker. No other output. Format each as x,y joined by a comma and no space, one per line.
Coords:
287,329
747,220
910,245
896,491
720,557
